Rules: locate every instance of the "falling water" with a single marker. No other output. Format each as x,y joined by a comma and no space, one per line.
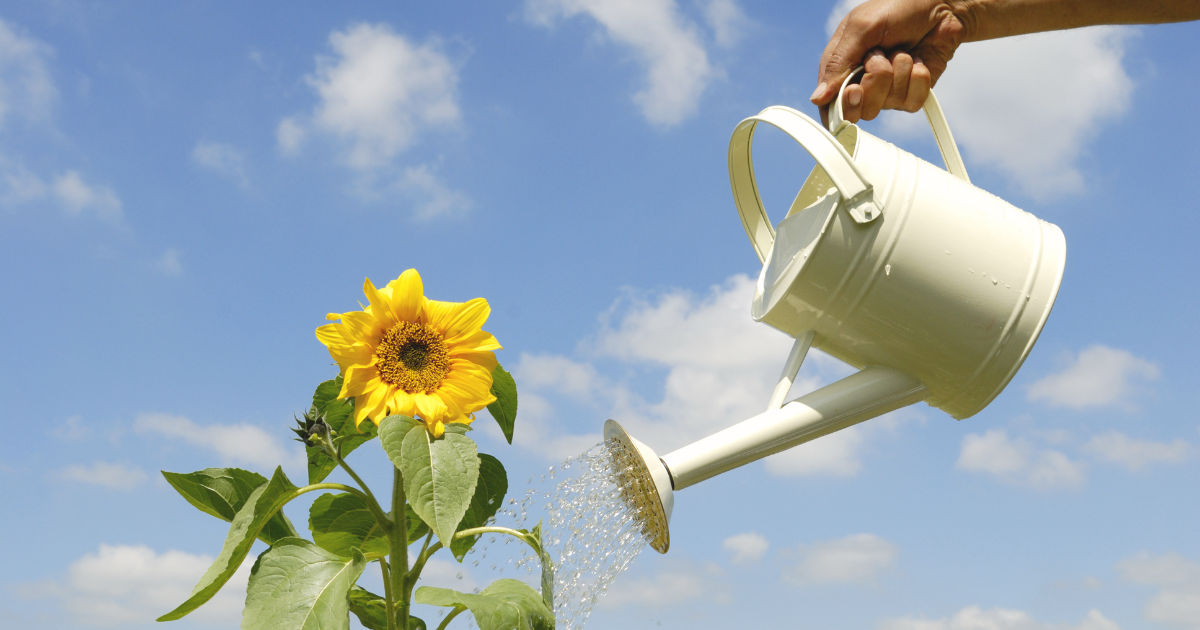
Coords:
589,529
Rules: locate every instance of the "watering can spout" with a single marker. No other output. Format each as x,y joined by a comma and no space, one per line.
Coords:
648,482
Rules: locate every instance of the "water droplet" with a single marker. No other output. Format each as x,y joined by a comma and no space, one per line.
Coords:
887,270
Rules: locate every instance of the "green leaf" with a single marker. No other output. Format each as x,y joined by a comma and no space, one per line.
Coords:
505,605
221,492
504,410
339,415
439,474
342,522
371,610
489,494
416,527
535,538
260,506
296,585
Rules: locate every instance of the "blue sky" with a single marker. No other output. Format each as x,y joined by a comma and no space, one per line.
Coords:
187,189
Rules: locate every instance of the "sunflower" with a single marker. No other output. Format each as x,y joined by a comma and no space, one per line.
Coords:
410,355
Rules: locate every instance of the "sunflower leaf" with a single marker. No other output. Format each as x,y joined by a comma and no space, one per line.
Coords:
371,610
505,605
504,410
489,495
440,474
339,416
341,523
221,492
535,541
296,585
260,506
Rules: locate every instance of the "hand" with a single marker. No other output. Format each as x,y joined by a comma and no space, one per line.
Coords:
921,36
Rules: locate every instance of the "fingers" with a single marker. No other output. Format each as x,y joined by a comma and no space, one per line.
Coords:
901,82
876,84
919,82
861,29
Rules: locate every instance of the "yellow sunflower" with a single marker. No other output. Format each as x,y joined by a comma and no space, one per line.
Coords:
411,355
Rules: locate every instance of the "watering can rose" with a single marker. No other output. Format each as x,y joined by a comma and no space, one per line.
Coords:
406,354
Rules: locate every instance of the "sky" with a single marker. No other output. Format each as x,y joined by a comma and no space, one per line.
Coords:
187,188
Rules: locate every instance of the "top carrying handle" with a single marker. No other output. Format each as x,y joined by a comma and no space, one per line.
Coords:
937,122
820,144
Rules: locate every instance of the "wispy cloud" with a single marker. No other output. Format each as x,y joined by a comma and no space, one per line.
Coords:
1117,448
169,264
678,582
747,547
976,618
223,159
235,443
1178,601
857,559
105,474
27,90
1099,376
669,46
1019,461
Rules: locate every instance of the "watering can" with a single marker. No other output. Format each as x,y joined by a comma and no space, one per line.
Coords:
935,289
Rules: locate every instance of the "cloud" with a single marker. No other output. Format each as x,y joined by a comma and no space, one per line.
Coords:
120,585
679,582
1011,109
72,429
377,92
975,618
223,159
1099,376
26,88
1178,601
431,196
76,197
666,44
856,559
236,443
114,476
727,21
1117,448
747,548
1018,461
448,574
169,263
719,368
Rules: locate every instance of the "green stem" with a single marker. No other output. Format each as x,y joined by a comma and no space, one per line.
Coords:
399,544
372,504
452,615
419,564
387,594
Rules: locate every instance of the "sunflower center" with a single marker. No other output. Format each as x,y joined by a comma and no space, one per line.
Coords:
413,357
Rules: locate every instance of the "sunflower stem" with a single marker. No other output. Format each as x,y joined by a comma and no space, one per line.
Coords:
372,503
454,613
399,544
419,564
387,594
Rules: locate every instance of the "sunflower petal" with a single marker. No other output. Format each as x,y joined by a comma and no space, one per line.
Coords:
430,406
402,403
331,334
477,341
381,307
361,326
435,427
408,296
464,318
358,380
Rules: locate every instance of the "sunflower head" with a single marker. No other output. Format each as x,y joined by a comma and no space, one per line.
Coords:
406,354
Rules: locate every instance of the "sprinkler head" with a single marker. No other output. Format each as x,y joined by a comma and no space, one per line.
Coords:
644,482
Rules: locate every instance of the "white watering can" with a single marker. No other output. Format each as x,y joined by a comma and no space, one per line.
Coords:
936,290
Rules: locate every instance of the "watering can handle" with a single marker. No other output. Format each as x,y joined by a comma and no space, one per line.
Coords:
820,144
937,121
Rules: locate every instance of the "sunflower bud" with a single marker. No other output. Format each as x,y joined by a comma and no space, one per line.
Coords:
313,430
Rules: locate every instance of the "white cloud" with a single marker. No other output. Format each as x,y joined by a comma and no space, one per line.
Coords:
679,582
448,574
1099,376
76,196
854,559
121,585
1018,461
109,475
1117,448
377,92
665,43
169,263
720,368
1178,601
836,14
223,159
975,618
431,196
1004,101
73,429
236,443
26,88
747,548
727,21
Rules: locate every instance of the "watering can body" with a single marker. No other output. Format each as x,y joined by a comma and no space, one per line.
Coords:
935,289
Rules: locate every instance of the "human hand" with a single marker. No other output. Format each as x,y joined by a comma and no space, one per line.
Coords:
904,46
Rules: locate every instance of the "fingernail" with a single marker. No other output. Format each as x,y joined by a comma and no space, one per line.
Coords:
853,98
917,60
819,91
